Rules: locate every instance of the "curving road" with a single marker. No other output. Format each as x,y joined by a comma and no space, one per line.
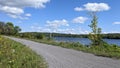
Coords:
58,57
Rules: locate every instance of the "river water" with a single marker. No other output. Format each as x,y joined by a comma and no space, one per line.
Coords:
85,41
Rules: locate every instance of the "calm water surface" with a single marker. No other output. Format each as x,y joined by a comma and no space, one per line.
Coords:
85,41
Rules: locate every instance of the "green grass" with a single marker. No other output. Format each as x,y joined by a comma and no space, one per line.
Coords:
16,55
105,50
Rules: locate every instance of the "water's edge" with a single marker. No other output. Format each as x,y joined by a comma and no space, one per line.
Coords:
85,41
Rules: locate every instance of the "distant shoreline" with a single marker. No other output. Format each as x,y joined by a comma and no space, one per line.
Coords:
105,36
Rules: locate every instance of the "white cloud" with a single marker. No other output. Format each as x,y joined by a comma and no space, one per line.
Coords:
95,7
57,23
116,23
15,8
71,31
80,19
24,3
11,10
111,32
18,16
38,28
35,27
67,30
28,14
60,30
13,15
78,9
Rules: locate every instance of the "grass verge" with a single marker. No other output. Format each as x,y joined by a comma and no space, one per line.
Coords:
16,55
105,50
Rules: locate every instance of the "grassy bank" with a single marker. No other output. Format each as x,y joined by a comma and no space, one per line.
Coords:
105,50
16,55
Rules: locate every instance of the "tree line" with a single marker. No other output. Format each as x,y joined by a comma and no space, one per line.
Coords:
40,35
32,35
8,28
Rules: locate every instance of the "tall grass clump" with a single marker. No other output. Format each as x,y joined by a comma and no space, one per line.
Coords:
16,55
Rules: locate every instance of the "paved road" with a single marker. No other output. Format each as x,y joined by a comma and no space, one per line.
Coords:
58,57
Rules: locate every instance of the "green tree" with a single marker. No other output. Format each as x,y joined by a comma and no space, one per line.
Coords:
95,36
40,36
16,30
9,28
2,27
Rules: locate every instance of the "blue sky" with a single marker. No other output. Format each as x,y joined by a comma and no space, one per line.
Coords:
61,16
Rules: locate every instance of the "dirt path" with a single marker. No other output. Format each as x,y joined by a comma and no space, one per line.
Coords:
58,57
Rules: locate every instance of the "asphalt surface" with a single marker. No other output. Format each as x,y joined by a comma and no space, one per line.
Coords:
58,57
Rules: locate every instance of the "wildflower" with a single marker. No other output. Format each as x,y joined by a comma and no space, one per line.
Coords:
13,50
